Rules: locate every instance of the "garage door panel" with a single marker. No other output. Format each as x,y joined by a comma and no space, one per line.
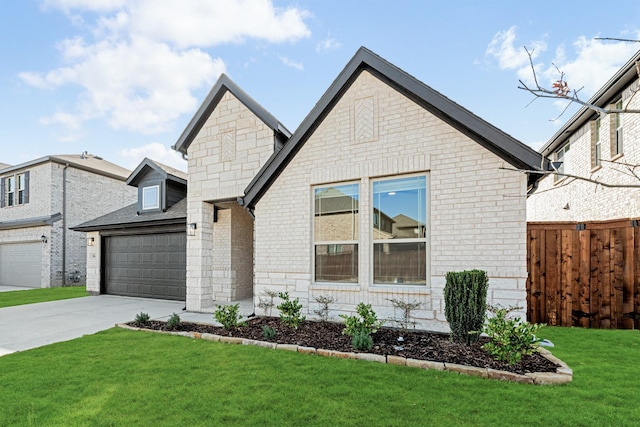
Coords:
21,264
146,265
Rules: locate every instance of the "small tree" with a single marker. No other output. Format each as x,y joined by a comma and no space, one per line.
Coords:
324,302
465,296
405,309
267,304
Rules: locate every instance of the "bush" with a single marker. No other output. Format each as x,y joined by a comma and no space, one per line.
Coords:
465,296
290,311
268,332
362,341
173,322
228,316
142,318
324,303
405,309
510,338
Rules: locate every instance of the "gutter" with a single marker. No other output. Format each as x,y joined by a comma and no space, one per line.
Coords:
64,224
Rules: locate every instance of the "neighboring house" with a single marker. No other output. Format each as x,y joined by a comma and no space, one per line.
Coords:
140,249
402,150
39,200
601,147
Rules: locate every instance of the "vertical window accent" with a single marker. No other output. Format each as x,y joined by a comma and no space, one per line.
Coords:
335,233
596,147
151,197
616,139
562,155
11,191
20,189
400,231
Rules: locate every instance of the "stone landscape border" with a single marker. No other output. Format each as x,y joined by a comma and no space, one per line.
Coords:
563,373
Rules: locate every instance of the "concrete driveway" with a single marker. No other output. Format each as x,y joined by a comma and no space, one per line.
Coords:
34,325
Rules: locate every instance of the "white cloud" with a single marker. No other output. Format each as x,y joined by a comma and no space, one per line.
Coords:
510,57
290,63
146,57
154,151
328,44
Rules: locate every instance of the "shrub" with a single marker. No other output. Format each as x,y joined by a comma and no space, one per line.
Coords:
228,316
465,296
142,318
366,321
405,309
173,322
324,309
290,311
267,304
510,338
362,341
268,332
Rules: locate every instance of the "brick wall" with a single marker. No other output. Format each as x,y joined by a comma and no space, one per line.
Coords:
574,200
477,211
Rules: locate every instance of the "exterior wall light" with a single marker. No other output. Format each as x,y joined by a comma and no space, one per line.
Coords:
43,238
191,229
91,241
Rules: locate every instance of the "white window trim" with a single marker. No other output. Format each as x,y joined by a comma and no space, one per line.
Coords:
426,239
144,198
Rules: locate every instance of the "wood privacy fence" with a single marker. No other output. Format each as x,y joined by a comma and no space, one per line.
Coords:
584,274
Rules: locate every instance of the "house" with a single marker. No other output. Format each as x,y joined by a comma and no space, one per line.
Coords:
39,200
405,153
140,249
601,147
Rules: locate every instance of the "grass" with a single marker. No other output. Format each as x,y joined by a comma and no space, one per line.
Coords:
123,378
31,296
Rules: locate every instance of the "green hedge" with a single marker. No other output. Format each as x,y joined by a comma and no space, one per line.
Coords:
465,297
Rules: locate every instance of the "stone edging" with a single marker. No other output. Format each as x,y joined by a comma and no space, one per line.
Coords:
563,374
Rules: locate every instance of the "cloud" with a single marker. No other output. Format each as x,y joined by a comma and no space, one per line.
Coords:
502,47
290,63
154,151
328,44
142,60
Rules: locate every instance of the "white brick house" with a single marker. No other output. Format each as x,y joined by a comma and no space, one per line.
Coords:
39,201
384,187
598,147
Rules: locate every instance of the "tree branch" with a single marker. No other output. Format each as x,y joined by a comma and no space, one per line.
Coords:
577,177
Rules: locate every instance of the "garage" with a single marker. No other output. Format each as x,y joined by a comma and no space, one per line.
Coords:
21,264
146,265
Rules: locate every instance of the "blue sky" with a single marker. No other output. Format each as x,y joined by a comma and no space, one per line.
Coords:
122,78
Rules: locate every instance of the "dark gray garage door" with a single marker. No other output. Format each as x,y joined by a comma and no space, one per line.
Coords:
150,266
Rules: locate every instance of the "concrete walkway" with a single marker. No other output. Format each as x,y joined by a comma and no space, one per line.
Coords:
34,325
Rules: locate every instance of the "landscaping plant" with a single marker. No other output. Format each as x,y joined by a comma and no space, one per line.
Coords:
325,306
361,326
405,309
362,341
290,311
510,338
465,296
142,318
268,332
267,304
173,322
228,316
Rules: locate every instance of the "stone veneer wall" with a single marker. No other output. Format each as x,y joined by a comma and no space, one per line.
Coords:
477,211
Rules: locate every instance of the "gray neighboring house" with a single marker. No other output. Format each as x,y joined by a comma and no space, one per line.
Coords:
140,249
39,200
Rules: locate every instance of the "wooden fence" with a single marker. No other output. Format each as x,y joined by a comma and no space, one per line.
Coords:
584,274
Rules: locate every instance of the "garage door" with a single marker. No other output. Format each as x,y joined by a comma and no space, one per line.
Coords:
21,264
150,266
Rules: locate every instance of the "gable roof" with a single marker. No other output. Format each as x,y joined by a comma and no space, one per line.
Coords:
210,103
605,96
166,172
84,161
493,139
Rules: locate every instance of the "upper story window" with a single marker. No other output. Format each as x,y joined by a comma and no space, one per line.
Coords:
616,134
335,233
151,197
562,156
15,190
596,146
400,234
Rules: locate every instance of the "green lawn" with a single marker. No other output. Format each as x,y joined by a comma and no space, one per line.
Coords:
124,378
31,296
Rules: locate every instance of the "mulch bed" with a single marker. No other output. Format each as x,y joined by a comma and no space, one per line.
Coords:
420,345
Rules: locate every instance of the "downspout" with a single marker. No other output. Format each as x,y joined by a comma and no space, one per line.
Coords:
64,225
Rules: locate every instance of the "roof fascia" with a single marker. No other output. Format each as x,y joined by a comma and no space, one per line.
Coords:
30,222
140,224
511,150
210,103
140,171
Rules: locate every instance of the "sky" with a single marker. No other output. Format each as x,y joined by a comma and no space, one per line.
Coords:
121,79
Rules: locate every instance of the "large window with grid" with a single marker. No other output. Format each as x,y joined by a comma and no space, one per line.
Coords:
399,212
14,190
335,233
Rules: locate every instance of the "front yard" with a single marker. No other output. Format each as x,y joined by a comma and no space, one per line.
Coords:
121,377
32,296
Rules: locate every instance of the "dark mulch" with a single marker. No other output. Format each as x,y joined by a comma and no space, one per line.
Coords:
421,345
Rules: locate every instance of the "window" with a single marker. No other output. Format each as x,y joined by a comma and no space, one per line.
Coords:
335,233
616,139
596,148
562,155
151,197
14,190
399,236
